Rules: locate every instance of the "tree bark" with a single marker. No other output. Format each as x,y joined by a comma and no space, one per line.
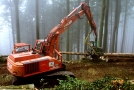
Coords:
74,53
101,23
124,28
16,3
119,11
12,20
111,18
119,54
37,20
86,29
105,39
11,87
67,37
116,25
78,35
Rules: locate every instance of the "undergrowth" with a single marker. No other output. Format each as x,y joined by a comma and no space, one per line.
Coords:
106,83
5,79
2,59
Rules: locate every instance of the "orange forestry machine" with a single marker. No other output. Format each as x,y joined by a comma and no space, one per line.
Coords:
44,59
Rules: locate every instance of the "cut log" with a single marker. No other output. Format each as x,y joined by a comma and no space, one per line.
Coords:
119,54
24,87
74,53
121,57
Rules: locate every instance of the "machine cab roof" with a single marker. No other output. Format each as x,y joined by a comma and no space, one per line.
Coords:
21,47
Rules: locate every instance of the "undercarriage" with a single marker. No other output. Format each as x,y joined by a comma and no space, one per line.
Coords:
46,80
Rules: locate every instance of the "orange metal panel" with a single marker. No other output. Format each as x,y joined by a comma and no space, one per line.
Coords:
43,65
16,69
23,56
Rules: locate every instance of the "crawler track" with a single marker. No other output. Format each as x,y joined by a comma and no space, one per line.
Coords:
50,79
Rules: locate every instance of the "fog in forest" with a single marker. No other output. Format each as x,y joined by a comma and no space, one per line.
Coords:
28,20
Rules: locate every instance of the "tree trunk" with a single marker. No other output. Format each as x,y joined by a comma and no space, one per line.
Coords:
78,35
119,54
71,42
111,29
116,25
105,39
37,20
101,23
124,28
12,20
74,53
18,87
118,57
16,3
67,37
119,11
86,29
133,46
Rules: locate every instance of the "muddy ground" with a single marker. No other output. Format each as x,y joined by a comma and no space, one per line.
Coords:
85,70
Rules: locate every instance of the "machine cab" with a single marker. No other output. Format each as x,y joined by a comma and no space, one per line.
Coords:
21,47
38,48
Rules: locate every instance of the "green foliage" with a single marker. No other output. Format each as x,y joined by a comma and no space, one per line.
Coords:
71,84
2,59
5,79
106,83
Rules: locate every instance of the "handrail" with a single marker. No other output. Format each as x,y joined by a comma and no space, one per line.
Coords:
57,55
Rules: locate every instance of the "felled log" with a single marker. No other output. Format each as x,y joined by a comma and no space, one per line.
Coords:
119,54
22,87
108,57
119,59
74,53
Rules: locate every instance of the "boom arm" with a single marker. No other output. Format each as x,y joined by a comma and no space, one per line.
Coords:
51,42
88,14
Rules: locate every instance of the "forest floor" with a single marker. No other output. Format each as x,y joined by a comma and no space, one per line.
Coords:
90,71
85,70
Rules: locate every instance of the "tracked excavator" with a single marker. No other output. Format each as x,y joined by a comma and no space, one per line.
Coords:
44,60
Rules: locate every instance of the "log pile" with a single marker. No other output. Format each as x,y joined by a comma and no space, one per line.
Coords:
118,57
